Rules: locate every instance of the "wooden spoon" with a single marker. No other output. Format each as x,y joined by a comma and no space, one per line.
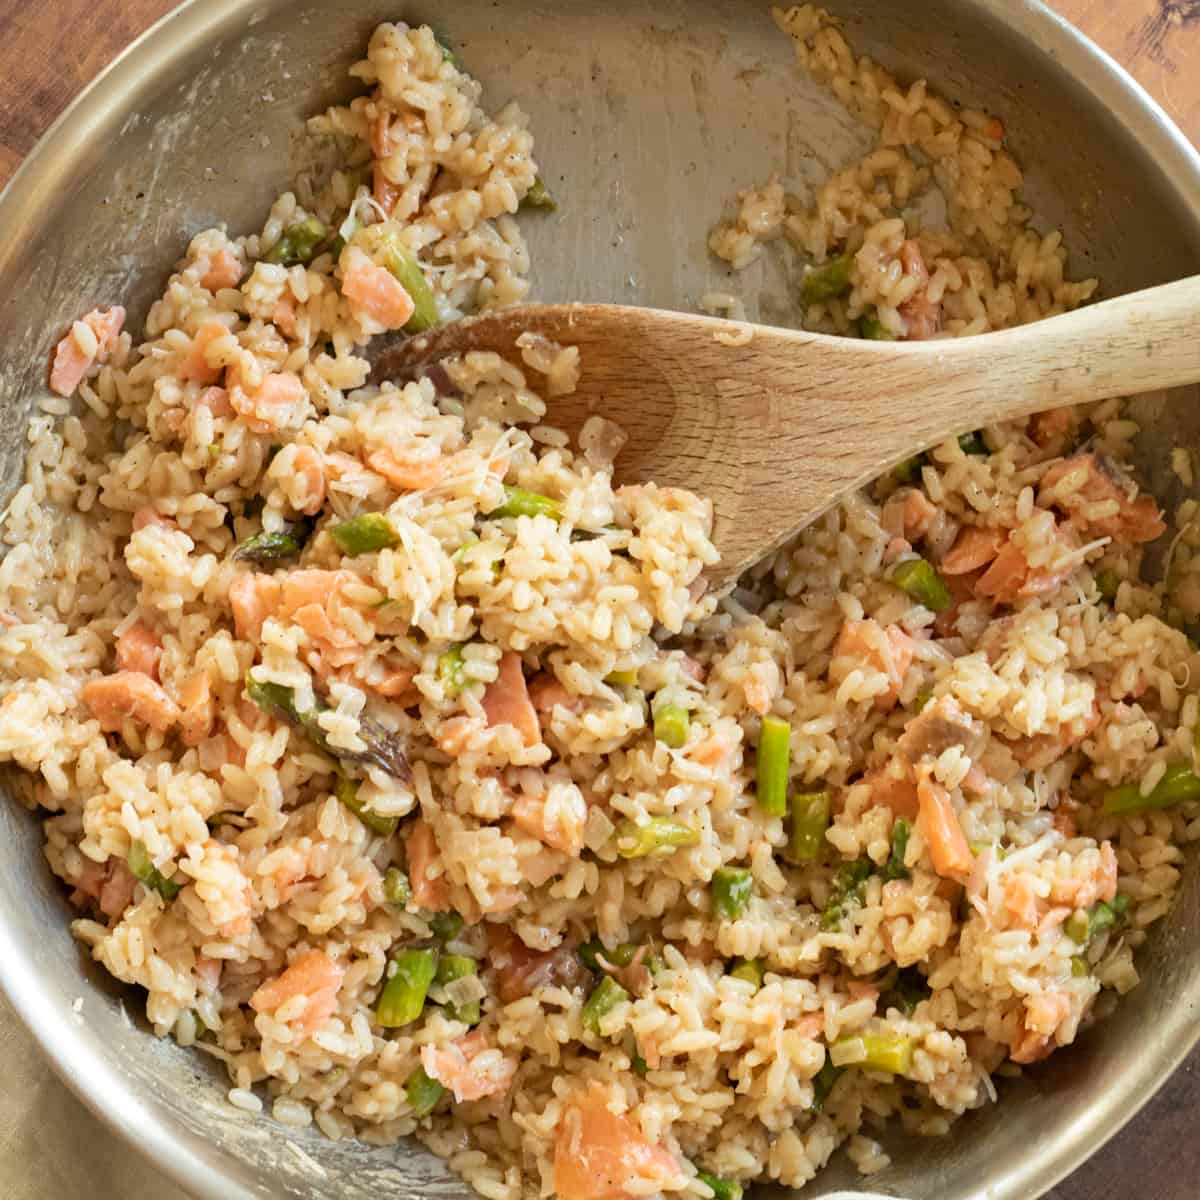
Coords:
776,425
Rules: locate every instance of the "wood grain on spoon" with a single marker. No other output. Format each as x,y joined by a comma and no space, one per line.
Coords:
776,425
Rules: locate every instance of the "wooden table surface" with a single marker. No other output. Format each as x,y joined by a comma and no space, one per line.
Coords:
1158,1155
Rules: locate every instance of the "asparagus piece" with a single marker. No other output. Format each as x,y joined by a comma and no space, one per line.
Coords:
403,997
142,868
731,889
364,534
774,758
298,243
660,835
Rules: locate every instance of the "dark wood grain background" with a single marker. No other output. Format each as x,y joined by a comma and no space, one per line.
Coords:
1157,1156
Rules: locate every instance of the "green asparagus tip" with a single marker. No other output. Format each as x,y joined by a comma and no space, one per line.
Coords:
268,548
275,699
382,748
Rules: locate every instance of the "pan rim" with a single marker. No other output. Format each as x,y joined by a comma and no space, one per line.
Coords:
204,1169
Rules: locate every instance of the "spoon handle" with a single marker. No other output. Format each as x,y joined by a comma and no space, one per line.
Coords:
1119,347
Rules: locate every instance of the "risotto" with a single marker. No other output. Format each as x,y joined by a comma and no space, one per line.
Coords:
407,765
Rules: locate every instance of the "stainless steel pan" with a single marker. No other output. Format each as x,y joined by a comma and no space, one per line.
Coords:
647,117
